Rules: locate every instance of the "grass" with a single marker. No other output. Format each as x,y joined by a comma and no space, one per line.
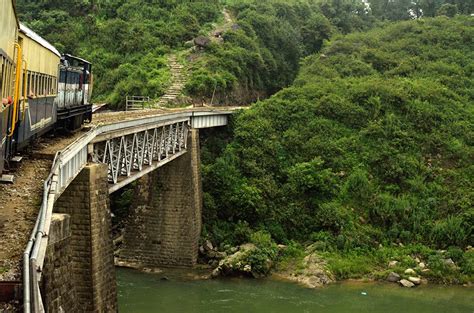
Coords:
374,264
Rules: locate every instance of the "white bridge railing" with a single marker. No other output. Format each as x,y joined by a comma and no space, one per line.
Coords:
131,149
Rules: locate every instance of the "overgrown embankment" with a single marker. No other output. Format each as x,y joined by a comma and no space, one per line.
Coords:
260,52
126,41
368,156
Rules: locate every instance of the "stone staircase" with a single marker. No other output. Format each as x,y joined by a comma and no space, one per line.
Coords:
178,80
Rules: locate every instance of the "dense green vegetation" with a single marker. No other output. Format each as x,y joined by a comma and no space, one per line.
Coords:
125,40
371,147
261,54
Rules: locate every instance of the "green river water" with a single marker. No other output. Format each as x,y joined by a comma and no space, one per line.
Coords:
147,293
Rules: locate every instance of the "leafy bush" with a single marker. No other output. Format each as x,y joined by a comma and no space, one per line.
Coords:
263,257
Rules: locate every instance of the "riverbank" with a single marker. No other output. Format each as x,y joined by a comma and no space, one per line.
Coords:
316,265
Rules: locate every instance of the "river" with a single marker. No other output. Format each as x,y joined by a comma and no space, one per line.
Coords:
147,293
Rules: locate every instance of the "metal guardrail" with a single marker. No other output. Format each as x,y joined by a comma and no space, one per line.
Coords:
66,166
136,102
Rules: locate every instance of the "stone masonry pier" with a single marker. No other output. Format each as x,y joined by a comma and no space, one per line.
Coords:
79,273
164,224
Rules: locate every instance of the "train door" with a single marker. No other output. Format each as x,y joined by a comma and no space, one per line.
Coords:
11,83
3,109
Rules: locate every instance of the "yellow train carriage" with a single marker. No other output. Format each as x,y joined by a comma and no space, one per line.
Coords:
29,68
9,27
40,81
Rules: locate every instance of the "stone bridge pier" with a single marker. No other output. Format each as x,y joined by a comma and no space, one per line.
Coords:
163,229
164,224
79,272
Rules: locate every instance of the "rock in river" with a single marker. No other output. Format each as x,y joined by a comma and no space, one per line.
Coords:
410,271
406,283
415,280
393,277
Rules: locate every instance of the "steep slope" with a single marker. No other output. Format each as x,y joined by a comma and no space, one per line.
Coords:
371,146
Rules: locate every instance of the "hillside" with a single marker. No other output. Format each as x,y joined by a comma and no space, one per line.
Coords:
130,42
127,41
370,148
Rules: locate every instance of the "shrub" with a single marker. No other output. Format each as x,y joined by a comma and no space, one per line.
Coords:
449,232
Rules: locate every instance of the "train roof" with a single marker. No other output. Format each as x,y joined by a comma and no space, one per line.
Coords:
38,39
77,58
16,15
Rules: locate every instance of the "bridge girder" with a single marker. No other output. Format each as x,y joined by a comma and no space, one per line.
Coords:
130,155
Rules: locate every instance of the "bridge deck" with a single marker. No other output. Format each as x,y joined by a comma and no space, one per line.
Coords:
114,117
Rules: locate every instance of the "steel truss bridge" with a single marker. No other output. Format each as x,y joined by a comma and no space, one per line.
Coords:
131,149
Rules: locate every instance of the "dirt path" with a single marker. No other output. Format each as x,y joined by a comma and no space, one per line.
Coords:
20,203
216,34
178,80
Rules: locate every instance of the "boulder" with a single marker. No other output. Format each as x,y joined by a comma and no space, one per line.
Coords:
421,265
236,264
235,27
449,262
410,271
311,273
406,283
415,280
202,41
208,246
393,277
392,264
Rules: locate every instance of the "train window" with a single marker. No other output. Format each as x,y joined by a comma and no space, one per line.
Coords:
81,81
28,85
8,79
2,64
62,76
35,84
5,78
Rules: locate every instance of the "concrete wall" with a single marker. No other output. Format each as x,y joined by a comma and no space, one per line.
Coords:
164,224
91,266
